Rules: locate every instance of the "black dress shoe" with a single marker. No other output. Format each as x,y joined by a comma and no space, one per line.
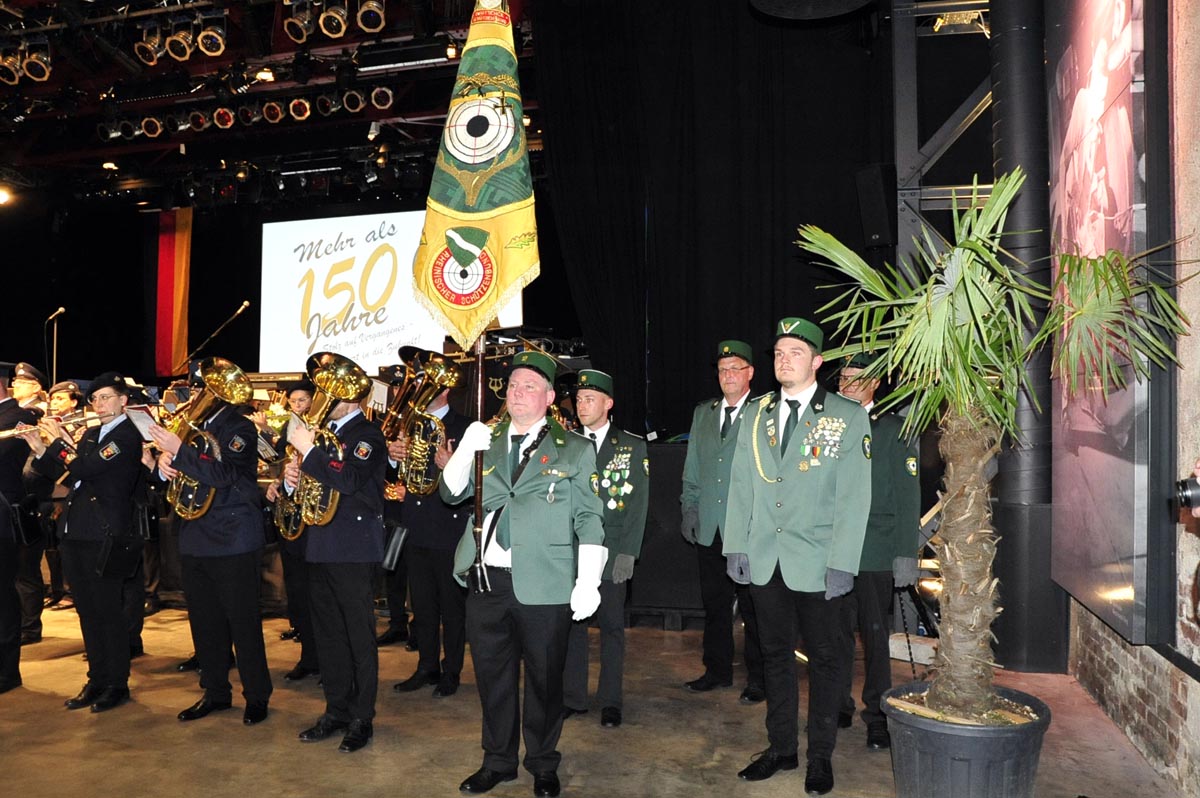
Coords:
446,687
256,712
411,645
545,784
845,719
392,635
610,717
569,711
202,708
707,682
818,779
358,734
86,696
299,672
151,607
325,727
53,600
417,681
65,603
877,735
289,634
192,663
753,694
29,638
110,697
483,780
767,765
9,684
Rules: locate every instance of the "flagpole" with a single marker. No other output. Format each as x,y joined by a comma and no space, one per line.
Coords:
480,580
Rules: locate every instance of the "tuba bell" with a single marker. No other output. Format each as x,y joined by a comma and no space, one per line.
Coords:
337,379
223,382
426,375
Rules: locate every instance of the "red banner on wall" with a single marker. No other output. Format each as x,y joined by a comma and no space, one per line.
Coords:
174,274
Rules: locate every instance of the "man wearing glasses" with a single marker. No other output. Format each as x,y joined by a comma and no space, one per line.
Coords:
714,432
99,551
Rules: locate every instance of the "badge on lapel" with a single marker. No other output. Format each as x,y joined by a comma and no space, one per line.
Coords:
867,446
237,443
910,465
363,450
109,451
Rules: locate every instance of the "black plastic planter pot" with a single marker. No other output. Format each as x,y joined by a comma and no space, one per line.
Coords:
936,759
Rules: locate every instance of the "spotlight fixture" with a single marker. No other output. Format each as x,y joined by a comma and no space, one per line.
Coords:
242,172
373,131
272,111
525,120
106,131
224,118
353,101
128,130
249,114
36,64
175,123
211,40
371,17
181,42
151,47
152,127
381,156
264,75
5,195
451,49
300,109
302,67
10,68
381,97
299,25
199,120
108,166
333,19
328,104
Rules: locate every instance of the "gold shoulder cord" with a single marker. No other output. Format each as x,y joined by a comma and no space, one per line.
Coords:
757,456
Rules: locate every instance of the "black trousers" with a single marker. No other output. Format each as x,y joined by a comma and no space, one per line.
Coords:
343,613
10,611
869,605
133,605
717,592
783,615
610,618
439,606
222,598
506,635
295,585
30,586
101,618
396,590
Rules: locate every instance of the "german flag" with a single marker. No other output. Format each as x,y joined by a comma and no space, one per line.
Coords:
479,244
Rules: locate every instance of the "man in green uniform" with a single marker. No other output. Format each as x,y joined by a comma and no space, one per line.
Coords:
799,493
543,556
625,491
893,529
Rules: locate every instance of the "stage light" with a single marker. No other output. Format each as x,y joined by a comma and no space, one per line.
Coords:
181,41
300,109
211,40
328,104
302,67
451,49
264,75
175,123
106,131
224,118
5,195
36,64
525,120
242,173
152,127
373,131
353,101
381,97
128,130
199,120
381,156
371,16
108,166
151,47
333,19
10,68
299,25
272,111
249,114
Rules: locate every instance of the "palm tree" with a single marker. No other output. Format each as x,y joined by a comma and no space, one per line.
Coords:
955,328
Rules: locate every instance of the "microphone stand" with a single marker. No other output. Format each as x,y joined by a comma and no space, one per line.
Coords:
54,352
182,367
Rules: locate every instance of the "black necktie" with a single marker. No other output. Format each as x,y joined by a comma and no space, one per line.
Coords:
595,445
727,423
514,461
789,426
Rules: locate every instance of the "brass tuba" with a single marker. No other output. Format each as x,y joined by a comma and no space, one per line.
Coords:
337,379
426,375
223,382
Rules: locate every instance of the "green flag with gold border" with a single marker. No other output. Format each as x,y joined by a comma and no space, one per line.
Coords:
479,244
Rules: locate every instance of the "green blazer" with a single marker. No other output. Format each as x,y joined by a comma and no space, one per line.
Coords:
552,508
624,470
804,511
894,524
706,466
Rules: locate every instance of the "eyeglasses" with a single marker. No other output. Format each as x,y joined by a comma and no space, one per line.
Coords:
727,371
101,397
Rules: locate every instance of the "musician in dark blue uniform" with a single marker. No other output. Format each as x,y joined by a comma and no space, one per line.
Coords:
343,556
13,454
99,547
220,553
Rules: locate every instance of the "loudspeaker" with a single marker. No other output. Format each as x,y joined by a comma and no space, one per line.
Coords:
876,186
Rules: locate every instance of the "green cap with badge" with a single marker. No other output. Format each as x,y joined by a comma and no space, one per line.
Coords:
800,328
861,360
734,348
596,380
538,361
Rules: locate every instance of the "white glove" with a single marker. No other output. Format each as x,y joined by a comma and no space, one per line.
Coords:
477,438
585,598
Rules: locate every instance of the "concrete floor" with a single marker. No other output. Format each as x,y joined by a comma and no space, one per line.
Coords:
672,743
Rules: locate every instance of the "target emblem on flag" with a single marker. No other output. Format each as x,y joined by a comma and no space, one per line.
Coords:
480,129
459,285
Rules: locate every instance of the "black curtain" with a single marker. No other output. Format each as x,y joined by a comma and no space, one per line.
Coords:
684,145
